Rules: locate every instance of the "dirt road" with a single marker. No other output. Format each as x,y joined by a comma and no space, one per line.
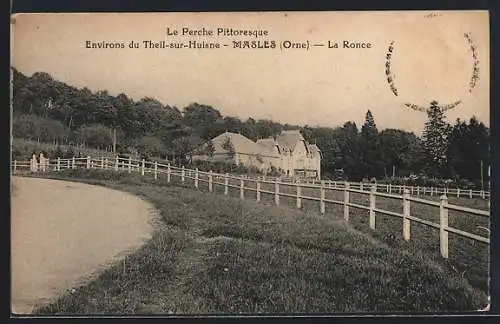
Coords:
62,232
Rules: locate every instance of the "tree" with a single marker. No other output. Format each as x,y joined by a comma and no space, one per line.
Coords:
95,135
183,145
200,115
371,162
400,149
37,128
348,148
435,141
151,146
229,147
468,146
210,149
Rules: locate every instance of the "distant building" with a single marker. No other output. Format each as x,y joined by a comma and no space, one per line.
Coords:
288,153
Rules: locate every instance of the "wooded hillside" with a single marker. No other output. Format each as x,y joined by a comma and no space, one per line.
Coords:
47,110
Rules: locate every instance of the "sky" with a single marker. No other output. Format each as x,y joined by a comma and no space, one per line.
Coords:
319,86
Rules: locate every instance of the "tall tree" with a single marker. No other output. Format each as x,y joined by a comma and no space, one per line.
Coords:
371,162
348,147
435,141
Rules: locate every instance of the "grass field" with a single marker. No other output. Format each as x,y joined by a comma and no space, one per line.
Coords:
216,254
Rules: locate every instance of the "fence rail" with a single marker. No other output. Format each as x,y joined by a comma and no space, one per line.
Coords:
398,189
254,185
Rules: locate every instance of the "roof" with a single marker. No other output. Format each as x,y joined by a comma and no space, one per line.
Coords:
289,138
269,143
241,144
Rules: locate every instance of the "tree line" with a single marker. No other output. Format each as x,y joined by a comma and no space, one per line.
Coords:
47,110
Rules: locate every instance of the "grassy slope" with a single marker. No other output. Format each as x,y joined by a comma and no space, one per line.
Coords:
212,253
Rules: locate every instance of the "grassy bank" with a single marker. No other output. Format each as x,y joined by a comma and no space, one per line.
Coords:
212,253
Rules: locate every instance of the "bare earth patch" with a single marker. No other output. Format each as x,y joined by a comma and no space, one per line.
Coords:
62,233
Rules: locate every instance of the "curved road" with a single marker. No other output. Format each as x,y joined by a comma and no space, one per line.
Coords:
62,232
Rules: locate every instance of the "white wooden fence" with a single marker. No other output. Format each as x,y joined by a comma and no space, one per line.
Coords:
392,188
243,185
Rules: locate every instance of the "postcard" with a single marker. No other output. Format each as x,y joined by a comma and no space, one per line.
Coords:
250,163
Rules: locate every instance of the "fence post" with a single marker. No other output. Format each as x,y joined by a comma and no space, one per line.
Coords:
242,188
470,193
276,192
299,193
33,163
15,165
142,166
156,170
41,164
105,163
346,201
373,190
196,174
482,194
58,164
88,162
322,198
183,174
73,163
117,162
432,192
129,164
418,191
226,183
443,226
169,171
406,213
102,163
458,192
361,186
258,190
210,182
390,188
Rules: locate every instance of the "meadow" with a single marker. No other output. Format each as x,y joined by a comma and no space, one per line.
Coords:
212,253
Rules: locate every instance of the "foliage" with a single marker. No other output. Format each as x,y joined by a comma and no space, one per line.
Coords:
51,111
229,147
370,157
435,141
94,135
43,129
468,146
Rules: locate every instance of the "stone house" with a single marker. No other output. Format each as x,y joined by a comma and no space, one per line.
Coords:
288,153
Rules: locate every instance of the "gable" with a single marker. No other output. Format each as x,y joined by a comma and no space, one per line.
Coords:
300,149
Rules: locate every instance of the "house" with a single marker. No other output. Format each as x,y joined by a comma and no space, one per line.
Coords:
288,153
237,149
298,158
